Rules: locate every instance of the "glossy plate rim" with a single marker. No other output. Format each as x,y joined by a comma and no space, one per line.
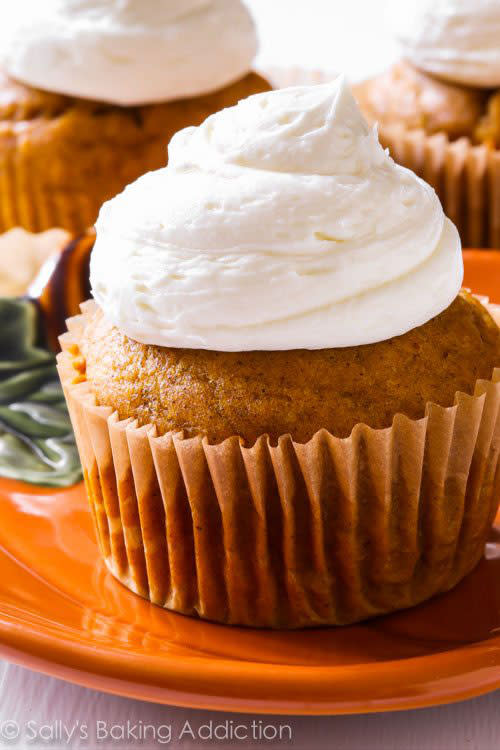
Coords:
486,679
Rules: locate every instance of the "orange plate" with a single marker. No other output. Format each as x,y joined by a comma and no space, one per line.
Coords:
62,613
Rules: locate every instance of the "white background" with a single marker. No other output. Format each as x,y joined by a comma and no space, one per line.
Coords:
334,35
349,36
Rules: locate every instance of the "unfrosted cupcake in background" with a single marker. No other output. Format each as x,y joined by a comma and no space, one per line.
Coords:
92,91
286,409
438,109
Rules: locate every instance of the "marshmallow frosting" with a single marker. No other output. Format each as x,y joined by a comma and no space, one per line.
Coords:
457,40
280,223
127,52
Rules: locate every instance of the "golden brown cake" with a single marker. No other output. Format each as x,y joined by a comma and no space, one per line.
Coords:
404,95
297,392
488,128
61,157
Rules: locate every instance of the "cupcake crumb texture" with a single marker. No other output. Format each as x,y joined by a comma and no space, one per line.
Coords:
220,394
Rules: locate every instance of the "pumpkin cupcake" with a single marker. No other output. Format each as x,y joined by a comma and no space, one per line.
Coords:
91,93
286,408
438,109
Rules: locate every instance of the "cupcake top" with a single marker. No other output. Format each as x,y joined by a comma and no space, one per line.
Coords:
127,52
280,223
457,40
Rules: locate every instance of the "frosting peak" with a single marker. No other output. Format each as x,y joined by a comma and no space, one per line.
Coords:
454,39
127,52
280,223
317,130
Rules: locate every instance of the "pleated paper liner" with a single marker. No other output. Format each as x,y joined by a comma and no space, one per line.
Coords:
289,535
64,186
466,178
29,200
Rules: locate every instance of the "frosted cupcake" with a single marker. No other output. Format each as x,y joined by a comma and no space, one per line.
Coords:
286,409
92,91
439,108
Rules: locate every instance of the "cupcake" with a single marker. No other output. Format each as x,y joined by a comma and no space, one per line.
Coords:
92,92
438,109
285,406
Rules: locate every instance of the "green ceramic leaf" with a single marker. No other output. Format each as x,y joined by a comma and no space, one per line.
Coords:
36,439
18,333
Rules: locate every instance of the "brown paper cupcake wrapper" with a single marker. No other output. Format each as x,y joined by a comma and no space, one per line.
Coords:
29,201
465,177
290,535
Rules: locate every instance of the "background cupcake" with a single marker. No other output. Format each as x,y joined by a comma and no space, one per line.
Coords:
92,92
439,109
277,292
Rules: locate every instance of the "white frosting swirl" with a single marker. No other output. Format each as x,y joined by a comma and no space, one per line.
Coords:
458,40
280,223
127,52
